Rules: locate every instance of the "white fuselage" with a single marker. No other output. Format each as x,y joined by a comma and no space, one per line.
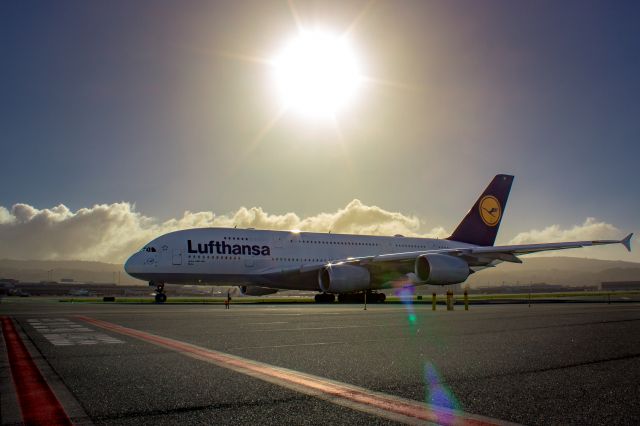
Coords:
219,256
337,263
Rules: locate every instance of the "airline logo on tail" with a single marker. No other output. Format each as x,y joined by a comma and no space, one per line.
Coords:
490,210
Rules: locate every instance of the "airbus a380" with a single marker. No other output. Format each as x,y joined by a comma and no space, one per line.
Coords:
262,262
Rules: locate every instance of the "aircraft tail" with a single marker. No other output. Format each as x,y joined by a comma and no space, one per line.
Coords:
480,225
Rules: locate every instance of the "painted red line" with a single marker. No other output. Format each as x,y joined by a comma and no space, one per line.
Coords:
317,385
38,403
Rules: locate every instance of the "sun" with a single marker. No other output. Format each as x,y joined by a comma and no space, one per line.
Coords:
316,73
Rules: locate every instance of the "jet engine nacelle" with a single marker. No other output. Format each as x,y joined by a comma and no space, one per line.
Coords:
343,279
256,291
441,269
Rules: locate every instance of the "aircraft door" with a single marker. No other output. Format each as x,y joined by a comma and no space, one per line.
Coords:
177,257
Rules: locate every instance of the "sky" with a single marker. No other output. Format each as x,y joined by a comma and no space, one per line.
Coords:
120,120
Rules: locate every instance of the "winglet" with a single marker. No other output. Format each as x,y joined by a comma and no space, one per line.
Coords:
626,241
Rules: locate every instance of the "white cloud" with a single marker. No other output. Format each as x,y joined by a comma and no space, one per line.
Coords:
110,232
591,229
5,216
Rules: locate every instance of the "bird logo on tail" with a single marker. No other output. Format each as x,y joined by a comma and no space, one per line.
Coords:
490,210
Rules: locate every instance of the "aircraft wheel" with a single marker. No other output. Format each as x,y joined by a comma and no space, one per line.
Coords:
161,298
381,297
324,298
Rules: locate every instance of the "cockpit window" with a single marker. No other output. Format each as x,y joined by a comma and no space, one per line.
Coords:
149,249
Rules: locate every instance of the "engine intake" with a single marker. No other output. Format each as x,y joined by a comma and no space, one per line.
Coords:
343,279
256,291
441,269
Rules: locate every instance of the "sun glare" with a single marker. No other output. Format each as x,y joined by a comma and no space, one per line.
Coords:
316,74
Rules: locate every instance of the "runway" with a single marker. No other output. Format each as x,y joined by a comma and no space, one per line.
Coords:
319,364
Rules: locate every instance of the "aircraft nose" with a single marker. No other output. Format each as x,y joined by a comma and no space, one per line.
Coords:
130,264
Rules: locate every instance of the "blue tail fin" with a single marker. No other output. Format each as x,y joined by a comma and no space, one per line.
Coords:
480,225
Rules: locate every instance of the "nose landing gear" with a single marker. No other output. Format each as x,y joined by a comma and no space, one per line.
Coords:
161,297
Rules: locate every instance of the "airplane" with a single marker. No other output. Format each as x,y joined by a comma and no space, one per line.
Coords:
262,262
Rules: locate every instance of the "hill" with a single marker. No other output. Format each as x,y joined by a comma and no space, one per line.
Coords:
55,270
558,270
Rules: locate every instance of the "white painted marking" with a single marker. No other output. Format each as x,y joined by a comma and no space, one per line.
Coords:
63,332
330,327
288,346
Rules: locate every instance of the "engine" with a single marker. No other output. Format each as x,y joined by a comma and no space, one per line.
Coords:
441,269
343,279
256,291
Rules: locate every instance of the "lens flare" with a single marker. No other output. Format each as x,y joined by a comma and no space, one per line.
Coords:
437,393
405,293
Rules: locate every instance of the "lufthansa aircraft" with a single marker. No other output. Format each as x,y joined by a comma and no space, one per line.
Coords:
261,262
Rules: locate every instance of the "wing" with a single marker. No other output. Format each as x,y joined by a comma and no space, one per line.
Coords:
476,256
483,256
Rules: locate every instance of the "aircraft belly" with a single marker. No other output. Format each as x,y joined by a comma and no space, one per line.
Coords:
203,278
302,281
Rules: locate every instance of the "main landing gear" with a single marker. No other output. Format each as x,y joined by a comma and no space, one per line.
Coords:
325,298
161,297
372,297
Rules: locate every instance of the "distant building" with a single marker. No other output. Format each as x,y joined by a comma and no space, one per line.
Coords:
529,288
66,280
6,288
619,285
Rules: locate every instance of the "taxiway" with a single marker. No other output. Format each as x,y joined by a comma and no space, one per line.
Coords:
556,363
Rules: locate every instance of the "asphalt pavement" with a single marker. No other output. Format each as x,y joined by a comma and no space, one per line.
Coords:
191,364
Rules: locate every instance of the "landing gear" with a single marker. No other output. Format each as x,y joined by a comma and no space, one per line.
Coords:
161,297
325,298
372,297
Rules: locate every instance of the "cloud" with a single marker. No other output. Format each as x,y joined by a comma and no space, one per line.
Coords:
111,232
591,229
5,216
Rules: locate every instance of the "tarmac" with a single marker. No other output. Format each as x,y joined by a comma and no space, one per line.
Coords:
330,364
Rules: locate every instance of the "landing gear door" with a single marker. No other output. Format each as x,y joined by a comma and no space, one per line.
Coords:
177,257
